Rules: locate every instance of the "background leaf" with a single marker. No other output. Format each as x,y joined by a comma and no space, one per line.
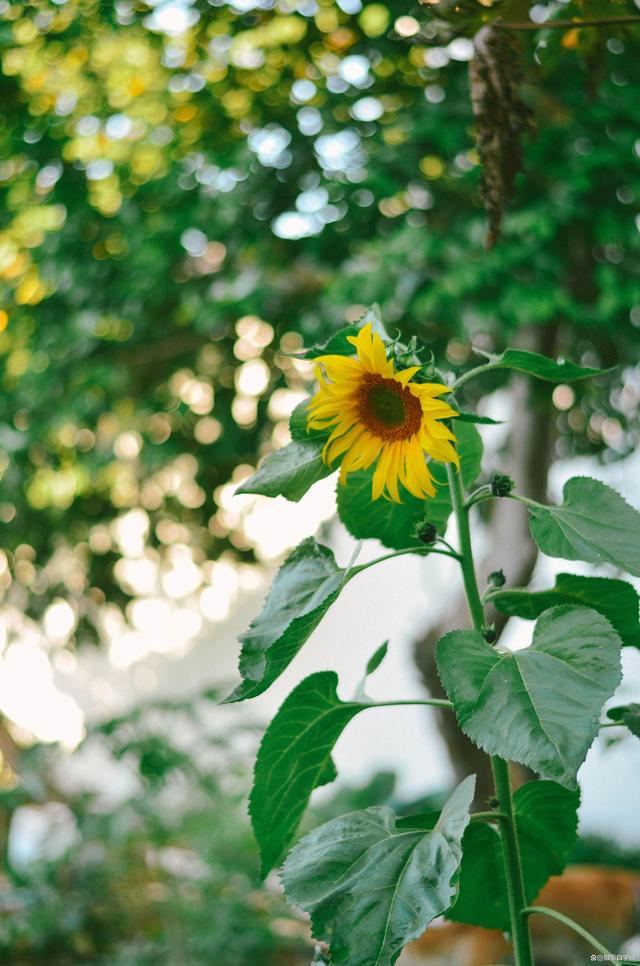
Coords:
594,524
394,523
547,822
294,758
541,367
371,885
304,589
541,705
616,599
627,714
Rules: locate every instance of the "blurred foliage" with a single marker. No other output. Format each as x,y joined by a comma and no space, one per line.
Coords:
155,865
188,188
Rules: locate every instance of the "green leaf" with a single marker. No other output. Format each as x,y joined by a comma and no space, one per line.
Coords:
290,471
541,367
541,705
294,758
627,714
304,589
594,524
464,417
337,344
298,424
617,600
546,817
394,523
371,885
376,659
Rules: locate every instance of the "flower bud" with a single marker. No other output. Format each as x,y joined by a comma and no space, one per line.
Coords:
497,579
426,532
501,484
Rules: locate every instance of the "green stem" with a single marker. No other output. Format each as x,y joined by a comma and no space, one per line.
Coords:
489,817
421,551
435,702
512,865
471,374
576,927
466,552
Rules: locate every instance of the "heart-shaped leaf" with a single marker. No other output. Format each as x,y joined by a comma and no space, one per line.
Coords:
294,758
372,884
394,524
546,816
594,524
541,705
304,589
616,599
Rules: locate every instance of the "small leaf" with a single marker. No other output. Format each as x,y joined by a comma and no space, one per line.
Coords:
298,424
541,367
546,817
594,524
627,714
294,758
371,885
304,589
376,659
394,524
337,344
540,705
615,599
290,471
464,417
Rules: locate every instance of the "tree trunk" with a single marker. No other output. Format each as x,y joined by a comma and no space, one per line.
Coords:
527,460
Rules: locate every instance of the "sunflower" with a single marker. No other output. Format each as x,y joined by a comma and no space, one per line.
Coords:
375,413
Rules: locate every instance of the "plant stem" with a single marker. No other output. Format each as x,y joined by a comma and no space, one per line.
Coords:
576,927
512,864
466,552
434,702
489,817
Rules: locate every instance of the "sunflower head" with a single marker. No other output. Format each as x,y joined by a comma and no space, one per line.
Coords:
376,414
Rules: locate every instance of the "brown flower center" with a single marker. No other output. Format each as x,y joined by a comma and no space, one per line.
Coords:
388,409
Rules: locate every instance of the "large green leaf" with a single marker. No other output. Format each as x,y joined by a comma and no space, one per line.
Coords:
546,817
626,714
290,471
294,758
372,884
304,589
541,367
394,523
541,705
617,600
594,524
